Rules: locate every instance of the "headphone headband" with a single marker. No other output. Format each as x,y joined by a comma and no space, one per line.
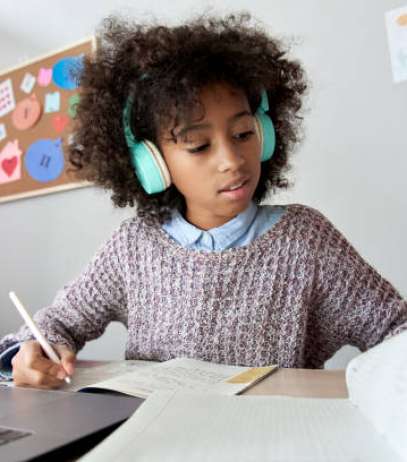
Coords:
264,102
128,133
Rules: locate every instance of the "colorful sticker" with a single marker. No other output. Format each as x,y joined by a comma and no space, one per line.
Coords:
27,113
52,102
59,122
7,102
3,133
396,23
44,76
28,83
10,162
44,160
66,72
73,104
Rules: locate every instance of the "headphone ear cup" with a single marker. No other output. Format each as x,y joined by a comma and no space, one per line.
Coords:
150,167
267,135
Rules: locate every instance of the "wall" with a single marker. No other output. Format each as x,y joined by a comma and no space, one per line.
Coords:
351,165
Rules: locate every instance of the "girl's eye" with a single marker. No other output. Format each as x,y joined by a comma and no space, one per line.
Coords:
240,137
198,149
244,135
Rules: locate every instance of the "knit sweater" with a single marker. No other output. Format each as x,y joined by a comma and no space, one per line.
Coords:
292,297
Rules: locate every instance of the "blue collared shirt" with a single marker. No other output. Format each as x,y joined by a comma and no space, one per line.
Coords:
239,231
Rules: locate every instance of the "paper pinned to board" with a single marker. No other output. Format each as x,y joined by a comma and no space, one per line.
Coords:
7,100
396,24
27,83
3,132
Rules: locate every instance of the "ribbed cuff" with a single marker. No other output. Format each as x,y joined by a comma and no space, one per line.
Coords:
6,369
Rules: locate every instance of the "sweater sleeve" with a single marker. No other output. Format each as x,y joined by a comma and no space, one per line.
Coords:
352,303
82,309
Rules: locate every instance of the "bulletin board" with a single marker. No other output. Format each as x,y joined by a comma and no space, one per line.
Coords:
37,106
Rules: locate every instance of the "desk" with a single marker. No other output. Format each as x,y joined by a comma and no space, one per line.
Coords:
308,383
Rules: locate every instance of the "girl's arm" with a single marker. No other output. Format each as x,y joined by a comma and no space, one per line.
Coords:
352,303
83,309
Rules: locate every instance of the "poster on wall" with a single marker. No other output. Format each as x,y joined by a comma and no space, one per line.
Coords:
37,106
396,24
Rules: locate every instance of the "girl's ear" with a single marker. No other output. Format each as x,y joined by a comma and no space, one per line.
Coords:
146,158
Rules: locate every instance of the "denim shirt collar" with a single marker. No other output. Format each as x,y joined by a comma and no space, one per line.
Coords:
217,238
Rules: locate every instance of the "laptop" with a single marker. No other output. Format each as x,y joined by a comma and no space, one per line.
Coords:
36,423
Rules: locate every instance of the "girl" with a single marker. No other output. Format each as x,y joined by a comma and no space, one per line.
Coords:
195,124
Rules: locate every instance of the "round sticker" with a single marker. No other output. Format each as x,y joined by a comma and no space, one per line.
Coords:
27,113
66,72
44,160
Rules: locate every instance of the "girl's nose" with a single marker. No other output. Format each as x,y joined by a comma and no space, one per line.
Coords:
229,158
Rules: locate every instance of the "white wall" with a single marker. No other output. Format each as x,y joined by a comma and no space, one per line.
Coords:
352,165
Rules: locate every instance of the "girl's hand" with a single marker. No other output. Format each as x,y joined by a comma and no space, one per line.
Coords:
31,366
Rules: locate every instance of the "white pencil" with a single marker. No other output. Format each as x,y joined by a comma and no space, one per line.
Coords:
50,352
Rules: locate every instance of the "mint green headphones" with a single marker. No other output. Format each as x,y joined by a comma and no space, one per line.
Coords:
149,164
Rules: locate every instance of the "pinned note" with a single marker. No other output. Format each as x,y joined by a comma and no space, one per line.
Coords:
7,102
52,102
396,23
28,83
10,162
27,113
3,132
44,160
73,104
44,76
59,122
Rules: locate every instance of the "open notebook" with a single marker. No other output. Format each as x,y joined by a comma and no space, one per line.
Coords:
371,426
142,378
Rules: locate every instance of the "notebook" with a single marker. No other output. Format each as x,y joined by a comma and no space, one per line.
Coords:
142,378
371,426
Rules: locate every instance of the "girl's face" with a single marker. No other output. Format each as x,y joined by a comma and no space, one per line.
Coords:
215,163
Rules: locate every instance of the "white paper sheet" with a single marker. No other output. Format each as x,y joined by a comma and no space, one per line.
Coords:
193,428
396,24
88,375
377,384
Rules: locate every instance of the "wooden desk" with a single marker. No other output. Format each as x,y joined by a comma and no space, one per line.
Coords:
308,383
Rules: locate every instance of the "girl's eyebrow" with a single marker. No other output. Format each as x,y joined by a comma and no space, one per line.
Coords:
195,127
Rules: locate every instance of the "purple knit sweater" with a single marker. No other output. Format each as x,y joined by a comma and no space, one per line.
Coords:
294,296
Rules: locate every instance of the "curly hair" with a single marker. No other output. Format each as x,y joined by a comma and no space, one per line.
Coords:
163,69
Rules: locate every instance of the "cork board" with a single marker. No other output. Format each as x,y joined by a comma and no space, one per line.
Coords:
37,106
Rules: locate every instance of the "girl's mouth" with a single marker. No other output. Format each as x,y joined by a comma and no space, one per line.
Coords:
237,191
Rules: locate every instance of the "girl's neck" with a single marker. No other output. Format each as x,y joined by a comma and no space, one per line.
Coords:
207,220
